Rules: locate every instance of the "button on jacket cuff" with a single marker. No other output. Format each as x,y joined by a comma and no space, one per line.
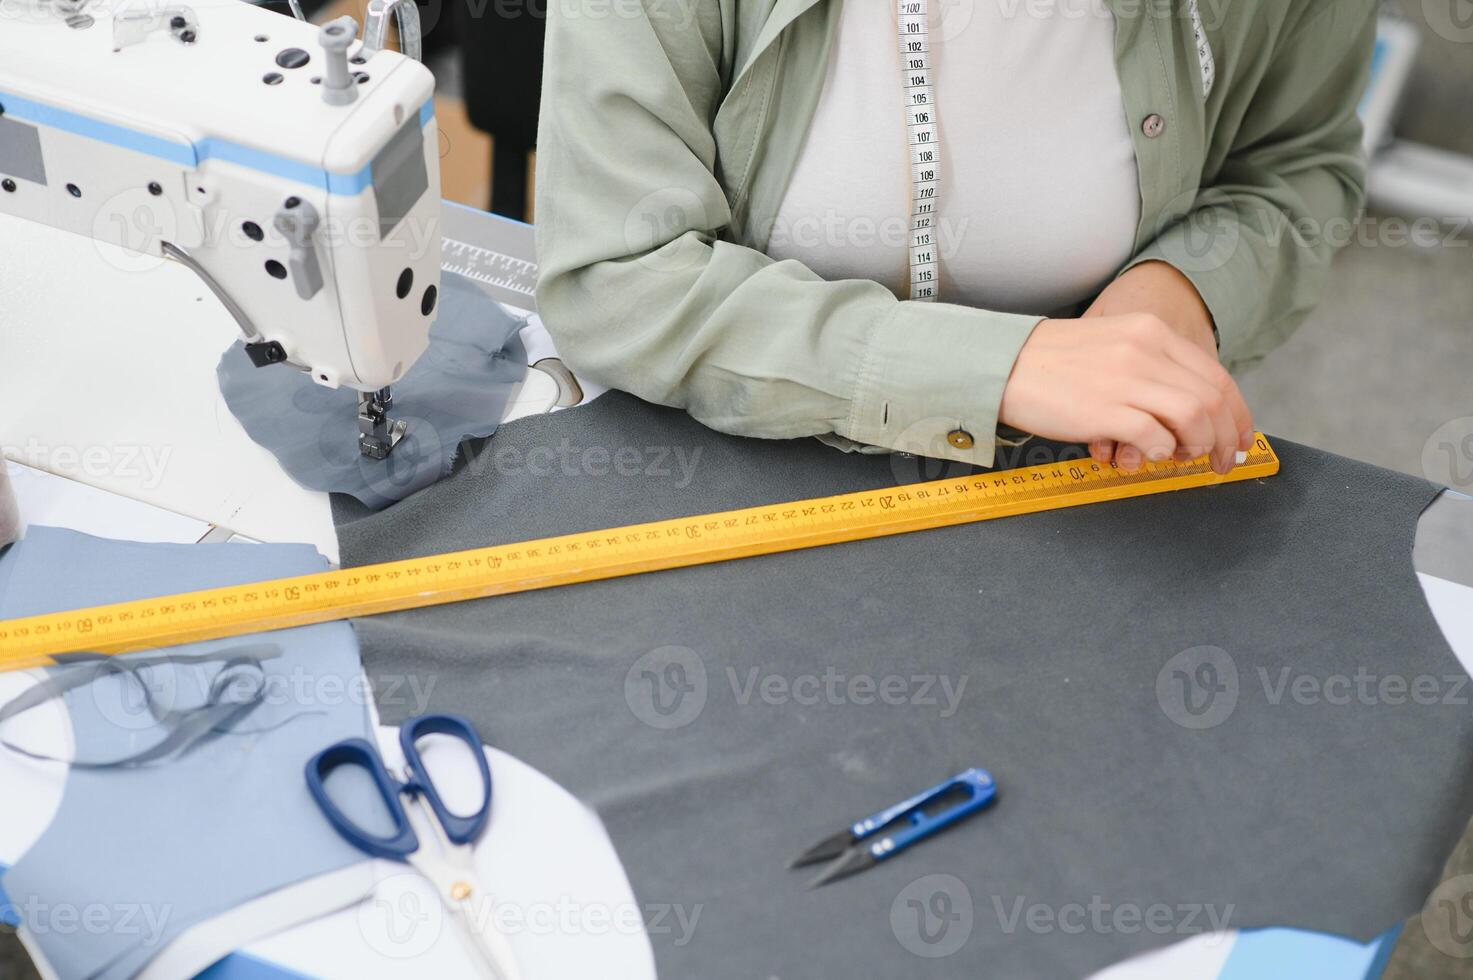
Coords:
932,380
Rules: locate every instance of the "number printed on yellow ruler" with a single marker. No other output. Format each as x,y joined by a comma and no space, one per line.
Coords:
593,555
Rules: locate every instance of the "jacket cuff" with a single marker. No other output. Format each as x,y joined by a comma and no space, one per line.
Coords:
932,379
1222,267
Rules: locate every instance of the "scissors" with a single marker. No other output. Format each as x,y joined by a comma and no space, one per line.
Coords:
452,866
908,822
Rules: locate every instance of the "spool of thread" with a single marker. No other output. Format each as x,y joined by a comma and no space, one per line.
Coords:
338,85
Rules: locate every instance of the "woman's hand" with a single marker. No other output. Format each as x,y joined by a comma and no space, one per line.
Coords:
1159,289
1128,380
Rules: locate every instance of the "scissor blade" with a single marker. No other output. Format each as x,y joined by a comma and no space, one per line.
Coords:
488,945
852,861
453,873
824,850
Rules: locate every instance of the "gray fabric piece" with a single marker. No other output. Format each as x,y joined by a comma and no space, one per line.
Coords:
155,849
238,688
1067,640
458,390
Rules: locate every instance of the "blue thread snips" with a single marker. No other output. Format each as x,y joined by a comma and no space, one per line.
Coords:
875,838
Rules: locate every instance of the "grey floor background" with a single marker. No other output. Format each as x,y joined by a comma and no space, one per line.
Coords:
1387,359
1384,362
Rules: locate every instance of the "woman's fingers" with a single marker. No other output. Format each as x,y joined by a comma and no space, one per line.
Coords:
1223,447
1187,404
1131,388
1134,428
1199,362
1132,458
1180,411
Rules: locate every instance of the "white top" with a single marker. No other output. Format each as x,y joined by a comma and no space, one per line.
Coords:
1039,196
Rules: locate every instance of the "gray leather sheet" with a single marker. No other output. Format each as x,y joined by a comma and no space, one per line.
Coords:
1169,691
457,390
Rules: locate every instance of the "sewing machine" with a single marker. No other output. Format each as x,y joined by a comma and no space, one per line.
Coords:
293,169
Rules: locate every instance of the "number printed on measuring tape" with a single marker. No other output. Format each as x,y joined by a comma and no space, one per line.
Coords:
1205,57
912,22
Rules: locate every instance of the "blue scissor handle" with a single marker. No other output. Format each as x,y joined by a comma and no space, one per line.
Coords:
459,829
357,752
981,790
402,841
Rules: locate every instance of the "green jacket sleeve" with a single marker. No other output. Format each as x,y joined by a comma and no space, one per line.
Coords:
1285,182
641,292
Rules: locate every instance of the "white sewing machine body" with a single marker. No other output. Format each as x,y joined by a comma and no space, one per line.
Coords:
201,133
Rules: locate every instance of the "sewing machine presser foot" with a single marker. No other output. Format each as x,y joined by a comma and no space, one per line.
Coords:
377,433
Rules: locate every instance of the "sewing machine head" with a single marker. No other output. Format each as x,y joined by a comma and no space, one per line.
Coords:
294,168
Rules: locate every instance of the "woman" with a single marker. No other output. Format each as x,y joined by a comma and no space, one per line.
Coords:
1131,193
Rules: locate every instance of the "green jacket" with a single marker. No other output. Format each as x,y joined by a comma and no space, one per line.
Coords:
670,129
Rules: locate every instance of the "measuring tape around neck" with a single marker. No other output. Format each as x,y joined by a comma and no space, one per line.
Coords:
924,142
591,556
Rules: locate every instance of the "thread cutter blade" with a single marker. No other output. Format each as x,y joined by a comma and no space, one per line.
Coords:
884,834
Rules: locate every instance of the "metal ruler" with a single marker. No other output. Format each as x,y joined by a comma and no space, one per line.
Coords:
516,276
593,555
912,20
492,250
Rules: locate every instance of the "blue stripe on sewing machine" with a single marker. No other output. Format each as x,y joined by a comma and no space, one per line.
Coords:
193,154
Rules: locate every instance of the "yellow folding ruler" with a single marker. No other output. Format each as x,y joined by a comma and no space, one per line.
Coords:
593,555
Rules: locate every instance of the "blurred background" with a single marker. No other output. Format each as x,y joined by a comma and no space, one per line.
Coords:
1387,360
